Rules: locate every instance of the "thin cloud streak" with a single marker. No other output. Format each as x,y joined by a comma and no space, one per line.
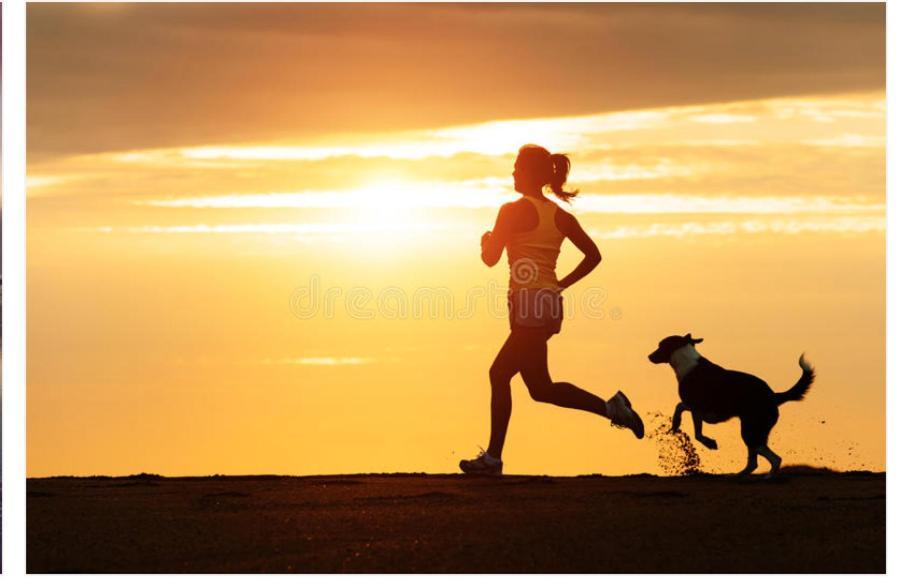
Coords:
853,225
490,138
842,224
850,141
455,196
322,361
289,229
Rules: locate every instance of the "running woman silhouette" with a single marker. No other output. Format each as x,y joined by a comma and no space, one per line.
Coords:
531,230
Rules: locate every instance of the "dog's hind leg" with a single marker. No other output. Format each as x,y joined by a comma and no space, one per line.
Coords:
754,435
774,459
751,462
757,436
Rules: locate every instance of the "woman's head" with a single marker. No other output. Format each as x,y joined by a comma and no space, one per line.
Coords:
535,168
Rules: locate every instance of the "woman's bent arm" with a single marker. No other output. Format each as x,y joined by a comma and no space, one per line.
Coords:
585,244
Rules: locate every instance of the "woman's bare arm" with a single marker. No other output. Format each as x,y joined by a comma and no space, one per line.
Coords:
574,232
493,243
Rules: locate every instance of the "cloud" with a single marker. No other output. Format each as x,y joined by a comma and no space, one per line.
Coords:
851,141
814,145
295,229
457,196
162,75
849,224
838,224
323,361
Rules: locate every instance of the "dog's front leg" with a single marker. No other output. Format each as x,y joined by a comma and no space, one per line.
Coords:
698,433
680,408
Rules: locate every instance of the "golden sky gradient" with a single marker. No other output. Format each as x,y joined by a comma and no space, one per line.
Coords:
195,171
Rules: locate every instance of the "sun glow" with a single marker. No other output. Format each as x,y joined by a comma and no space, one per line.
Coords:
386,206
374,198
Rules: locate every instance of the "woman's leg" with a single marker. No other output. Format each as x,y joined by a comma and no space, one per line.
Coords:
501,372
535,372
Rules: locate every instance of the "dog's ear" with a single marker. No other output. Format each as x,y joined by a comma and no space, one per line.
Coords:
691,339
696,341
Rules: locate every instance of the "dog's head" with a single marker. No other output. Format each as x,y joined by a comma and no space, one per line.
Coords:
667,346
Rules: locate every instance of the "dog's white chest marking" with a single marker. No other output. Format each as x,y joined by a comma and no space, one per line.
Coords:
683,360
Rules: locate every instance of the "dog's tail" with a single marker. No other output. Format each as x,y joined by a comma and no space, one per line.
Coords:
800,388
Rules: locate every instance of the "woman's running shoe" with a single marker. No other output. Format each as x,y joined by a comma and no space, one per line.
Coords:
622,415
483,464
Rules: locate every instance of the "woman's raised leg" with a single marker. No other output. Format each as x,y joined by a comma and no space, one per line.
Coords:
535,372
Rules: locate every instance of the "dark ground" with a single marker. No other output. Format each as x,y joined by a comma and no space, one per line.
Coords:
806,521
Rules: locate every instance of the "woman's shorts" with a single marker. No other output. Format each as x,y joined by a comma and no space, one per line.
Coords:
536,308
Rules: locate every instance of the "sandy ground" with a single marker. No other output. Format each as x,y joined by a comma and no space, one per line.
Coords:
806,521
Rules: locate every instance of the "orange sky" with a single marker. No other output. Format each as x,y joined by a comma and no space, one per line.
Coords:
192,168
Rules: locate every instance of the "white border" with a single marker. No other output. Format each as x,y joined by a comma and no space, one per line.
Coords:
894,291
14,287
13,95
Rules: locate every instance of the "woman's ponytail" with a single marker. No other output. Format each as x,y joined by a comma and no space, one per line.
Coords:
560,168
539,166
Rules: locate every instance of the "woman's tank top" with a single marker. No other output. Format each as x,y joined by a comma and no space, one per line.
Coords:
532,255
